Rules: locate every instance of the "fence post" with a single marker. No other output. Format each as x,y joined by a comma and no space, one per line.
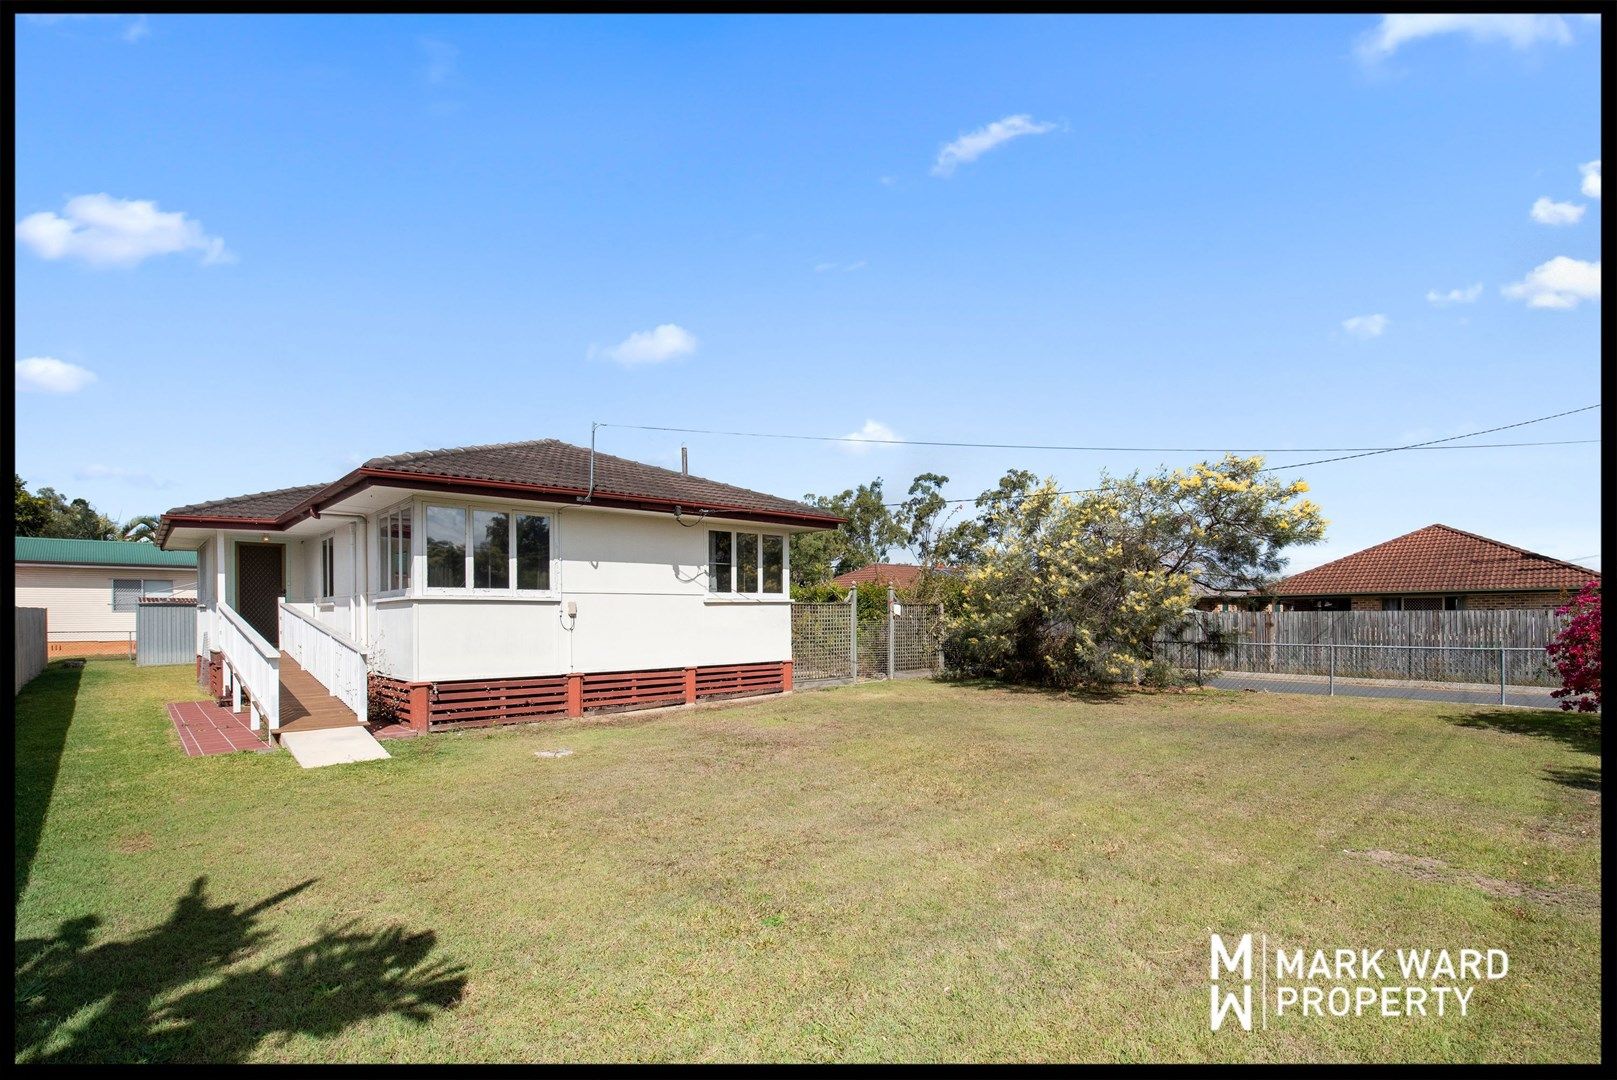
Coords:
1501,674
1198,645
937,631
853,634
891,629
1332,676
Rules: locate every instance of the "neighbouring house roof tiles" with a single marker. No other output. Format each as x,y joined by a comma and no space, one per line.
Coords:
898,575
1438,558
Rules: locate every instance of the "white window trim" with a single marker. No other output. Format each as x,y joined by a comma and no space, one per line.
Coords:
474,592
380,519
328,561
758,596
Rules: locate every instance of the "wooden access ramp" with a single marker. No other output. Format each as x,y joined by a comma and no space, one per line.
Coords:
308,706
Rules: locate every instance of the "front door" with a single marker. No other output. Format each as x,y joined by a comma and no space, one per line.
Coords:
260,582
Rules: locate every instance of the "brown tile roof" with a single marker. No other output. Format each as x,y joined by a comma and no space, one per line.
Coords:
898,575
553,464
1437,558
263,506
546,466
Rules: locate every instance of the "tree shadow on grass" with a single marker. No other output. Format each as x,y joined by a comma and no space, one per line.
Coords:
1575,776
44,712
1580,731
166,993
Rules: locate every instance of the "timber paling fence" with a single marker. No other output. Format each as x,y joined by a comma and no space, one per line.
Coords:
29,642
830,643
1481,657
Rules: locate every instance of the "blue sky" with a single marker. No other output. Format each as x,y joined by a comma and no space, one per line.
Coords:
380,234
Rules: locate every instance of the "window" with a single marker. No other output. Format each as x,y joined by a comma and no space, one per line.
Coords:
1453,603
1423,603
748,563
491,549
446,547
533,551
328,568
126,592
719,561
487,550
774,563
1392,603
393,550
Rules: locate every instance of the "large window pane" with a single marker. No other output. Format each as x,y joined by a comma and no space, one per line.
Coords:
384,564
491,541
446,547
746,562
401,548
719,562
774,564
533,551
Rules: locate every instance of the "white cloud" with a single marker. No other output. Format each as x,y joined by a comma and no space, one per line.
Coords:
1520,31
1454,296
666,342
1546,211
441,60
118,472
104,231
1560,283
1591,178
974,144
48,375
1366,326
875,431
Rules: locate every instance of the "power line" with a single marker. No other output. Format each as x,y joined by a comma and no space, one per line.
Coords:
1431,444
859,439
1435,442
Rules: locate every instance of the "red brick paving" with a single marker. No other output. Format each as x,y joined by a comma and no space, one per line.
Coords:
394,731
206,729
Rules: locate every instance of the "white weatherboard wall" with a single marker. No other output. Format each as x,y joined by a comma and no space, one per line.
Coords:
640,585
79,599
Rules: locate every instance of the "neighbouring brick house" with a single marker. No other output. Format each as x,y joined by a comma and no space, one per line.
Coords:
1437,568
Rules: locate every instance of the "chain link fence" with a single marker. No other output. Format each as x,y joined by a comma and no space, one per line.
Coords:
830,643
1467,674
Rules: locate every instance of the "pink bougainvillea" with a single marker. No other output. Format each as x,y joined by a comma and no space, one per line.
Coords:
1575,652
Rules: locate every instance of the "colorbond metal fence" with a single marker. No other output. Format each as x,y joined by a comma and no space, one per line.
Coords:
165,630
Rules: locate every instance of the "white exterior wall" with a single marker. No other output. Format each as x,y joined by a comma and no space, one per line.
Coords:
640,585
79,599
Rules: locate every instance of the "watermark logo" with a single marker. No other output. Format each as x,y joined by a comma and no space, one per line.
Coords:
1356,982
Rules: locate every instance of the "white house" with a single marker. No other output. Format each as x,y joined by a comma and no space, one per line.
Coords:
488,584
91,588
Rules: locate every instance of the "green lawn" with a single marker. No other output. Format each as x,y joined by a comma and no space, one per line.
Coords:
891,871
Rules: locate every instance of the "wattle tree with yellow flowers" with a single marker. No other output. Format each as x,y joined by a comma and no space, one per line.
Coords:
1069,591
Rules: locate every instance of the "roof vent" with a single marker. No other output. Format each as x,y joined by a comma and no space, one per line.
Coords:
684,461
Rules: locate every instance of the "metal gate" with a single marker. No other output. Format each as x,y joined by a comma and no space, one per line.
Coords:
831,643
165,630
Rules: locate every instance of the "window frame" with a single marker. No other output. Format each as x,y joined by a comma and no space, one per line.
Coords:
510,591
386,560
734,591
327,588
140,592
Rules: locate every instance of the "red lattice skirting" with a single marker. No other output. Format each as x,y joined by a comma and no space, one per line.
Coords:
480,702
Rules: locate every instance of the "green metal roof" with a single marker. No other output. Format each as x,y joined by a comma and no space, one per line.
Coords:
46,549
